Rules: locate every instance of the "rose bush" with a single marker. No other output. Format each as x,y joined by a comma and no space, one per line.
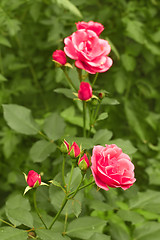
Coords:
33,178
111,167
89,51
85,91
59,56
94,26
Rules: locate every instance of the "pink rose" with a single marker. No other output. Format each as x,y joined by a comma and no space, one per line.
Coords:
59,56
33,179
74,150
111,167
85,91
84,163
94,26
89,51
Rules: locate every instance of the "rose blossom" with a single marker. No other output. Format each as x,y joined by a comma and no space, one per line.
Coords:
89,51
111,167
94,26
59,56
32,178
85,91
74,150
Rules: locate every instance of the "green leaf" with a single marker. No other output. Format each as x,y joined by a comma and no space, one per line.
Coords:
85,227
99,236
109,101
4,41
113,47
86,143
18,210
148,200
8,233
20,215
153,171
77,207
13,26
156,36
130,216
67,92
128,62
102,116
2,78
69,6
54,126
9,141
57,184
118,229
120,81
134,121
102,137
147,231
69,114
134,30
46,234
41,150
20,119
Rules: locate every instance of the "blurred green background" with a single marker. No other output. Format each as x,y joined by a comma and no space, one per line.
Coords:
29,33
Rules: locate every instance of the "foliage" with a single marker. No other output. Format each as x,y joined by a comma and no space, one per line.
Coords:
37,115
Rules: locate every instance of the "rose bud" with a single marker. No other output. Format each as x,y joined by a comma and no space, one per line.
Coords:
101,95
59,56
74,150
64,148
84,163
94,26
33,179
85,91
111,167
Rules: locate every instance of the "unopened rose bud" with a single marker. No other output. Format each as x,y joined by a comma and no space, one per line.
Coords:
64,148
33,179
84,163
85,91
101,95
74,150
59,56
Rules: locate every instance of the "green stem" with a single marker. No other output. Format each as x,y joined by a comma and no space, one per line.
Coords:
66,198
80,188
63,167
59,212
7,223
84,118
70,179
95,78
44,136
69,80
36,208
